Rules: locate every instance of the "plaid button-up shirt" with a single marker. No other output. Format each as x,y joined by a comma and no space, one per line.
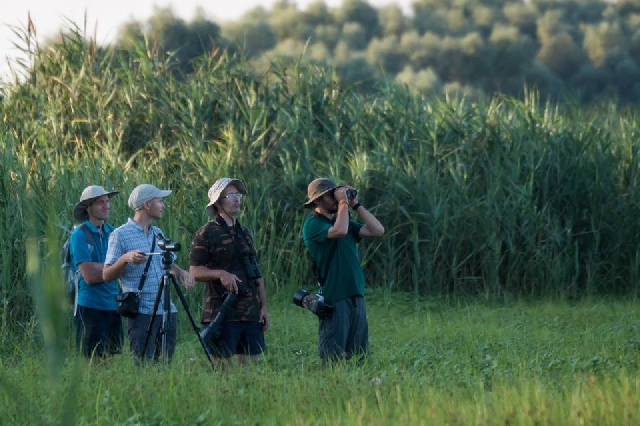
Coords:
131,236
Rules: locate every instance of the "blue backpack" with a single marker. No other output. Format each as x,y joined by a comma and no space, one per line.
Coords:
69,276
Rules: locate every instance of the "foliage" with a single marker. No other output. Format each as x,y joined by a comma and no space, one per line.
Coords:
501,199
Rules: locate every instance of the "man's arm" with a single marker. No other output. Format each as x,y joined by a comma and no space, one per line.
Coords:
340,227
264,310
115,270
372,226
82,255
185,278
91,272
204,274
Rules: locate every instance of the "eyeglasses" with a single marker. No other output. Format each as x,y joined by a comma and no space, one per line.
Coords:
233,195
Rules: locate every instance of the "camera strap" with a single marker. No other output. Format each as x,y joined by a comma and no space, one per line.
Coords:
322,278
146,267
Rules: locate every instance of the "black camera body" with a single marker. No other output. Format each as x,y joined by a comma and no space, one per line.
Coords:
166,244
251,266
351,193
314,303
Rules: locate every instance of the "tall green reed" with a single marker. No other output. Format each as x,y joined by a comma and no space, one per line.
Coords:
502,198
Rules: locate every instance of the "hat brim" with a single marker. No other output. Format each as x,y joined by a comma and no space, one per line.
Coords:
211,211
80,210
309,203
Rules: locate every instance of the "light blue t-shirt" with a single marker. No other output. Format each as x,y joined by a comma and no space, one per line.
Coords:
99,295
131,236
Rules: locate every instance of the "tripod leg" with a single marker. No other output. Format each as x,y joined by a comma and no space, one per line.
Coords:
153,317
166,313
196,329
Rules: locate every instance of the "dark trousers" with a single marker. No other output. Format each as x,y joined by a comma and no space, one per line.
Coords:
98,333
347,332
137,330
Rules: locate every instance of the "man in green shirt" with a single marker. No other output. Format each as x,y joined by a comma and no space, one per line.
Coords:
331,237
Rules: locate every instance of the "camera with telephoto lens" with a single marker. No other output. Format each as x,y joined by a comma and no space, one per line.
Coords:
166,244
213,330
314,303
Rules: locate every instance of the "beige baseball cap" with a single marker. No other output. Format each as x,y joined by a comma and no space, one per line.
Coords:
145,192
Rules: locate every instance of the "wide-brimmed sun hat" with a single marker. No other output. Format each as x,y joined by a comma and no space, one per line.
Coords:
216,190
145,192
89,194
317,188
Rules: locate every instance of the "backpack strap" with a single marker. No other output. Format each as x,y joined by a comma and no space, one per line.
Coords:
90,241
87,233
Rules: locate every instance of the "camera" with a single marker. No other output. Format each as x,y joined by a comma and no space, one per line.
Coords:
212,331
314,303
351,193
251,266
166,244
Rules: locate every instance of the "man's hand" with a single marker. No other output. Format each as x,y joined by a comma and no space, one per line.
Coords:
264,319
340,194
230,281
186,279
135,256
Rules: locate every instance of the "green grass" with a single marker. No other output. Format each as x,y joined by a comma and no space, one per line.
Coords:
500,203
432,362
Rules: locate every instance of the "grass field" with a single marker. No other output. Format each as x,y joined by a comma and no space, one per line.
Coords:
526,209
432,362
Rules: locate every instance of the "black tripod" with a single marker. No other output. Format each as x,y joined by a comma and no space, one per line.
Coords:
164,288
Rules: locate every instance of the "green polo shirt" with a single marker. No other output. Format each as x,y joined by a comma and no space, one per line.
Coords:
344,276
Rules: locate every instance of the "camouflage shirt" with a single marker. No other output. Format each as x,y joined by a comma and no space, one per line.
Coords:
218,246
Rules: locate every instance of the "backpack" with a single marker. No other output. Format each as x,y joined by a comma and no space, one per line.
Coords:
69,276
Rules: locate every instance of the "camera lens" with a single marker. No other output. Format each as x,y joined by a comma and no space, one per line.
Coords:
299,296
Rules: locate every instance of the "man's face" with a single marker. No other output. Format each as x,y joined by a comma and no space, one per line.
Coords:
99,208
155,207
328,203
230,201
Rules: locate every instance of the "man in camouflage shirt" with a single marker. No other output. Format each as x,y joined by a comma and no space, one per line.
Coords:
223,256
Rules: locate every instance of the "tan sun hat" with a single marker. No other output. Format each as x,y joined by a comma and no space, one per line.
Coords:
217,188
317,188
145,192
89,194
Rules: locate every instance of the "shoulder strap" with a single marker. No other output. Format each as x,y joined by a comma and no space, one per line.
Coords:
87,233
322,278
90,241
146,268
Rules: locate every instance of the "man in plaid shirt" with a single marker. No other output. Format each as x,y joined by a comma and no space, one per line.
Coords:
126,260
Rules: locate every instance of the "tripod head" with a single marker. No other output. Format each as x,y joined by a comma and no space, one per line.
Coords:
167,247
167,259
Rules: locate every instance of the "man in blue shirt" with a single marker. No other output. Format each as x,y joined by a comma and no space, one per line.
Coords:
126,260
98,326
